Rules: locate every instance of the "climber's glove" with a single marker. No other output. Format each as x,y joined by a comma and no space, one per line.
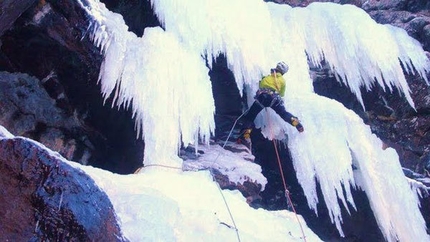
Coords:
296,123
300,128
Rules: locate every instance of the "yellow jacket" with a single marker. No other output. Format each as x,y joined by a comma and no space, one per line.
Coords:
274,83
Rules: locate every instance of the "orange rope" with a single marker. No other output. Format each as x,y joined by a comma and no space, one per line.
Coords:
158,165
218,186
287,192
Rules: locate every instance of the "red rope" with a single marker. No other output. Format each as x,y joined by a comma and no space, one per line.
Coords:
158,165
287,192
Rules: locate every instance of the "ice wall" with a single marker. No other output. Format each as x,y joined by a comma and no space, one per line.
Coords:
162,76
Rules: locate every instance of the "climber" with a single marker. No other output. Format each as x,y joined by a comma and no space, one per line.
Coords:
270,93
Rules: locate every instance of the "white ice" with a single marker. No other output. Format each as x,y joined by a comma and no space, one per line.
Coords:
162,76
160,205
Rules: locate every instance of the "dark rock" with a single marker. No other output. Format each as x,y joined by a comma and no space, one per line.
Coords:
416,24
45,199
304,3
228,100
27,110
426,161
385,4
250,190
10,10
409,173
406,5
55,35
137,14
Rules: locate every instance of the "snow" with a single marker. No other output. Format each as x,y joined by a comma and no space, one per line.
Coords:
162,76
161,205
228,163
4,133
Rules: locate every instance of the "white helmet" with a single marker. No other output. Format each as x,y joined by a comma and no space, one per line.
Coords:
282,68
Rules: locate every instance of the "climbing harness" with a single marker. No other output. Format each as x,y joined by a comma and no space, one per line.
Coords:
276,99
266,90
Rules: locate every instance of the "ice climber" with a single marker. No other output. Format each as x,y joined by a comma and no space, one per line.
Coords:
270,93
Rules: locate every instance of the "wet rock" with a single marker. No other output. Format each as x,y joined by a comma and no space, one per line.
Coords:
406,5
304,3
50,41
10,10
28,110
196,160
416,23
250,190
45,199
228,100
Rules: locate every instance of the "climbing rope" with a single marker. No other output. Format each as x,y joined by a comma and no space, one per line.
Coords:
219,189
218,186
287,192
165,166
231,130
229,212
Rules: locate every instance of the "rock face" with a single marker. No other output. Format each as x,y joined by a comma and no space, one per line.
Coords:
44,199
49,42
413,16
10,10
27,110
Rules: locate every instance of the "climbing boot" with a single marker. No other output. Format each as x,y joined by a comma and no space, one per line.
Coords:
245,137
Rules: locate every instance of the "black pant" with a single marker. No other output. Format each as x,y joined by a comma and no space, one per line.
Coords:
266,100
